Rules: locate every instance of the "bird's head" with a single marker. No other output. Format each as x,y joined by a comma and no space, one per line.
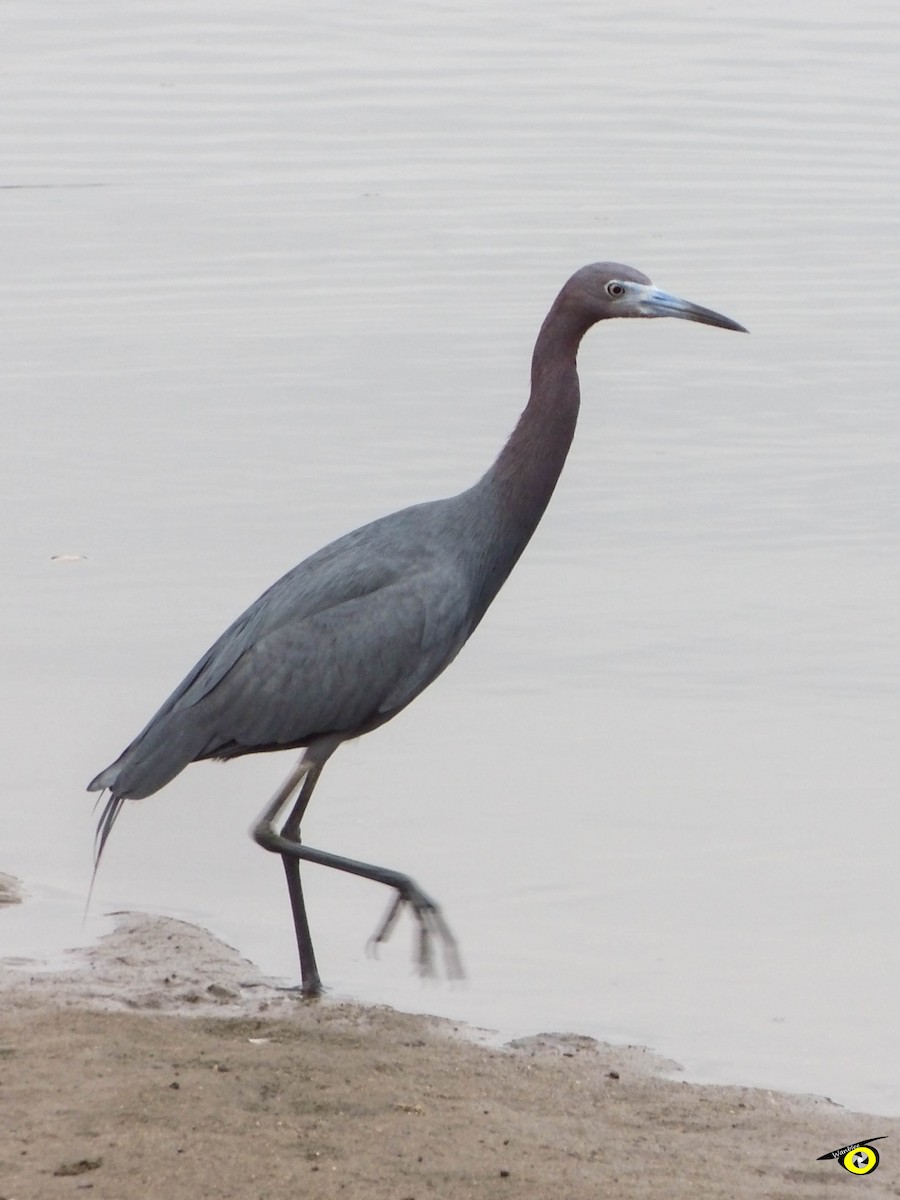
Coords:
613,290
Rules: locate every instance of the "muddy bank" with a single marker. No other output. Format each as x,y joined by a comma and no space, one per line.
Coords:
165,1065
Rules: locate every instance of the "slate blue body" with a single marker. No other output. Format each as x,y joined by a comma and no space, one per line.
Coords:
344,641
339,644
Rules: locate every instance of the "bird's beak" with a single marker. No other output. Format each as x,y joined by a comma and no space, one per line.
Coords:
654,303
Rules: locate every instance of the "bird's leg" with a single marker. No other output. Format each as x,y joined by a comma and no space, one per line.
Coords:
287,843
311,984
308,772
425,910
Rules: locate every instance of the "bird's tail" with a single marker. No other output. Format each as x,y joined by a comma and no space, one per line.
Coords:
153,759
111,810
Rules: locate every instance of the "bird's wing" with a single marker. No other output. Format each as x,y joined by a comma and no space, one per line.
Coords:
312,656
340,668
321,582
343,640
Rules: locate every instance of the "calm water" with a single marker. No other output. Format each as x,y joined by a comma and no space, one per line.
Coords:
268,275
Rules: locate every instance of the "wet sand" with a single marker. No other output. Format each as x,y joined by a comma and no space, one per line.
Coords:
164,1064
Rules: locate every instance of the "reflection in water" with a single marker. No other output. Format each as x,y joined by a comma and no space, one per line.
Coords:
303,292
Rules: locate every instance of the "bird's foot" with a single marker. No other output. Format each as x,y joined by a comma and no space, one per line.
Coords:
432,926
302,991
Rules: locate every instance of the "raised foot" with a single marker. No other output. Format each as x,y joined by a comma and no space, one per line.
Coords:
432,926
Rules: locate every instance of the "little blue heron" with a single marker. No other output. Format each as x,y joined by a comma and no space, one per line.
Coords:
348,638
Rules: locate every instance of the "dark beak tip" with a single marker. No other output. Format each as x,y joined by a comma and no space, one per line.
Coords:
727,323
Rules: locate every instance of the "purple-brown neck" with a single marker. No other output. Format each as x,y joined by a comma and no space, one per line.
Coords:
528,466
521,481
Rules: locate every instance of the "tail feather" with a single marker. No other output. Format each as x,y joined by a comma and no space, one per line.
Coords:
104,780
111,810
155,757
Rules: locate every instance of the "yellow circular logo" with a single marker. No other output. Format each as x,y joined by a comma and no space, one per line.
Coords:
860,1161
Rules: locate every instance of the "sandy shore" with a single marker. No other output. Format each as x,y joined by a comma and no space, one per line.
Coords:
167,1066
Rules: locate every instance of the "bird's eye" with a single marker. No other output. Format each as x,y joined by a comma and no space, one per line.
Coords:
615,290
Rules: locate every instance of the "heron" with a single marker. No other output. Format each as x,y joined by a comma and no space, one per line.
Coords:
352,635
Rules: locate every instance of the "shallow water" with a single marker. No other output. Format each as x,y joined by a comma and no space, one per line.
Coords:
271,274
